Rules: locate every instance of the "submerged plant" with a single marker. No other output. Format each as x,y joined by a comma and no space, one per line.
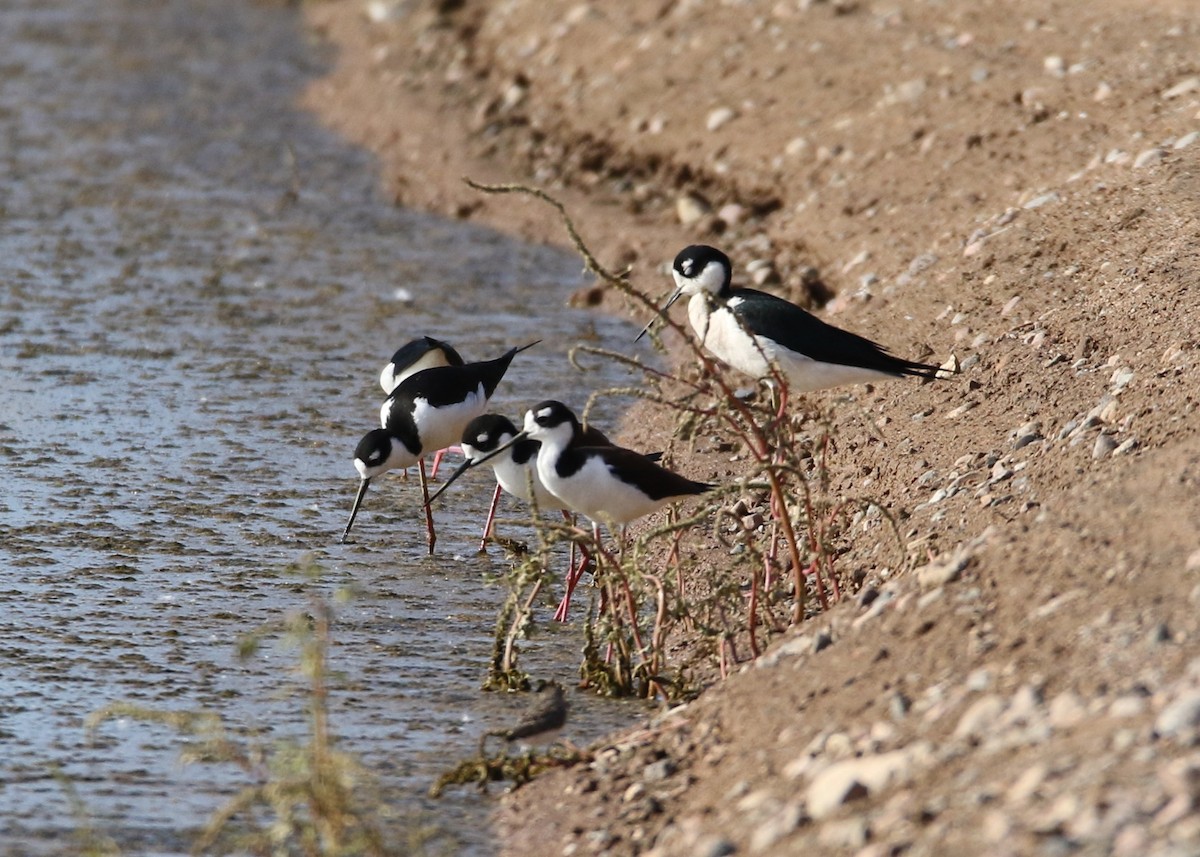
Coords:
305,796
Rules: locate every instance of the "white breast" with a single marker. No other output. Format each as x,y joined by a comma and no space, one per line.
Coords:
443,427
515,479
723,336
595,492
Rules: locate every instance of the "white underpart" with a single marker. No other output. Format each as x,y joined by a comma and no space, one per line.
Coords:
443,427
429,360
725,337
516,478
593,490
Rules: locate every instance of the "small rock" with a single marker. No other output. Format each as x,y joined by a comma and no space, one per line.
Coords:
1042,199
1103,446
1010,306
1148,158
714,846
1187,139
1130,705
659,771
1181,777
959,411
691,209
776,828
731,214
795,146
1121,377
1180,718
1055,65
943,570
1183,87
1126,447
634,792
1103,92
1192,564
822,641
979,718
718,117
1067,710
848,833
851,779
1027,784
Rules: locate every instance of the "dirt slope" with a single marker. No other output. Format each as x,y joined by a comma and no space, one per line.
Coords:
1017,184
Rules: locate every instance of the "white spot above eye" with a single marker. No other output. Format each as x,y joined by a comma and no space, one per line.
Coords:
543,413
480,440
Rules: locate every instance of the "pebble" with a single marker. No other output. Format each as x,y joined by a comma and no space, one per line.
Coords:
1042,199
1192,563
1126,446
1181,777
718,117
852,779
1179,718
1187,140
691,209
1055,65
1127,706
658,771
848,833
1067,710
1148,158
731,214
796,146
1183,87
943,570
1010,306
715,846
776,828
980,716
959,411
1103,446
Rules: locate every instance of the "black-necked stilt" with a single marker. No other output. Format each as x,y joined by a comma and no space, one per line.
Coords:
608,484
425,412
492,438
424,352
748,329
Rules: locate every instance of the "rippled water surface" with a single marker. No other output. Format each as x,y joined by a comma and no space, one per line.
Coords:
198,286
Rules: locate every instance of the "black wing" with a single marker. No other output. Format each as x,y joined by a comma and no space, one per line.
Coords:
653,480
804,333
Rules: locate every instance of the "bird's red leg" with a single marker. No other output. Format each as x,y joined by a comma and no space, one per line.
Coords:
431,535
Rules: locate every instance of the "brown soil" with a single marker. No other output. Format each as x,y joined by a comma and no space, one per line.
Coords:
1016,184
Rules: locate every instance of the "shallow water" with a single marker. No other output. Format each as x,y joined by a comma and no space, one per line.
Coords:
198,286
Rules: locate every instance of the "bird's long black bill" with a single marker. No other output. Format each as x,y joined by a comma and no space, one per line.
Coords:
462,468
362,491
674,297
468,464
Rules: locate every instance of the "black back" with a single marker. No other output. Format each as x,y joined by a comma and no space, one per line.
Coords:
652,479
411,352
804,333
